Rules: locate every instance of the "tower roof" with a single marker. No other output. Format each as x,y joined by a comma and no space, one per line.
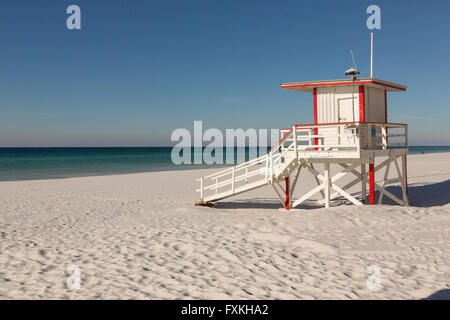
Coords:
308,86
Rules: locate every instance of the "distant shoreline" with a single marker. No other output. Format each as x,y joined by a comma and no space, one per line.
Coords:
25,164
102,174
155,147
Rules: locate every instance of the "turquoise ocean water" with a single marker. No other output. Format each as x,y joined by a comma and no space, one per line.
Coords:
45,163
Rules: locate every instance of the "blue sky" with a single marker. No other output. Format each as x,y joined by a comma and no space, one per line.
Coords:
140,69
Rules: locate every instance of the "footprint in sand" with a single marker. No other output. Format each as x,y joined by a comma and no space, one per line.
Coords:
308,245
184,249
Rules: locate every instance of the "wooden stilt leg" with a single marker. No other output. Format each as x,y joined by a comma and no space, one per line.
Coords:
287,203
327,184
318,183
372,181
405,172
385,181
363,183
405,180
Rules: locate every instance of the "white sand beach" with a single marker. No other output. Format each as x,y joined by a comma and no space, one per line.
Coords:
139,236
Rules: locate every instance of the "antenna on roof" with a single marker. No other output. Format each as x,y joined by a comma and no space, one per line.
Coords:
353,72
353,58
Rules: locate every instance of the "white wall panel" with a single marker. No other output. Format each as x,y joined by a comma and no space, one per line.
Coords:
328,103
325,106
375,109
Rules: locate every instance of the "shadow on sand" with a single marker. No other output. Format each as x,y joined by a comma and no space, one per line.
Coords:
255,203
260,203
439,295
420,195
424,195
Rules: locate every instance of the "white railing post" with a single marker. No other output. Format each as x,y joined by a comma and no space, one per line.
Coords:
387,135
339,135
267,167
310,143
294,132
406,135
357,136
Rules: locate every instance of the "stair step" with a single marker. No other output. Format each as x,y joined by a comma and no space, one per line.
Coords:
281,170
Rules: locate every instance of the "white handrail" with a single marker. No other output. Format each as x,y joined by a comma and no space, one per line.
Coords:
270,160
309,138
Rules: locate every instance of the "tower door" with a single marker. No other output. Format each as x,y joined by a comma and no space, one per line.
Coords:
347,109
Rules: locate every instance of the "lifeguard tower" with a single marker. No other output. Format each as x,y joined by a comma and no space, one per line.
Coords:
350,132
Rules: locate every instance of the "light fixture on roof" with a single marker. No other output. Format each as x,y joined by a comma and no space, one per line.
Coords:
353,71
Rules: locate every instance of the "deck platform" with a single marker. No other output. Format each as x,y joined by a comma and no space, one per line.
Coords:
352,146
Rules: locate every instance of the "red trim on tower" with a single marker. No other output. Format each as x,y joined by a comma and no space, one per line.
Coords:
318,84
385,106
388,85
372,182
333,123
287,202
316,116
362,111
284,86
